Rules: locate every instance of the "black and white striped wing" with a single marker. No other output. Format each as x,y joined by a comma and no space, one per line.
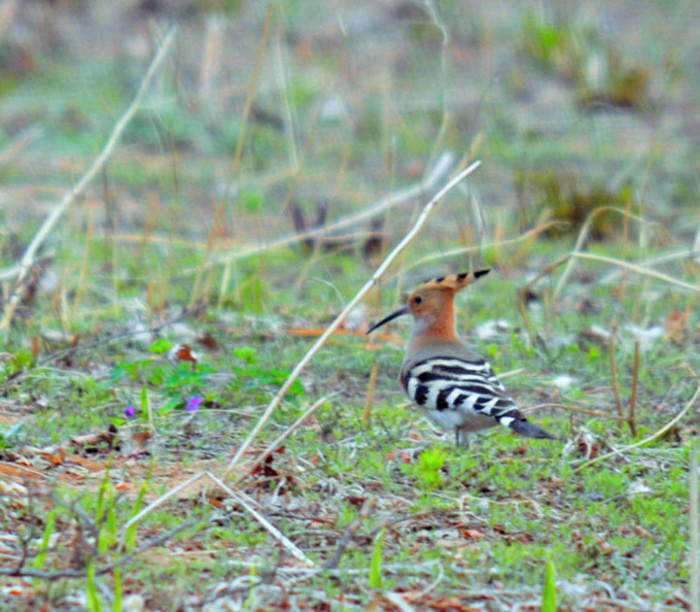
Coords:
449,383
470,388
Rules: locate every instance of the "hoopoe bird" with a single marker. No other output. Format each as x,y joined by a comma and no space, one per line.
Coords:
456,388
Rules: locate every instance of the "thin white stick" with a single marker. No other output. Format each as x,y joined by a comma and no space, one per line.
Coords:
535,231
638,269
163,498
413,232
285,434
291,546
437,172
651,438
239,498
29,256
440,168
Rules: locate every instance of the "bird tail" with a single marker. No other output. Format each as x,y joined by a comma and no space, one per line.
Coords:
529,430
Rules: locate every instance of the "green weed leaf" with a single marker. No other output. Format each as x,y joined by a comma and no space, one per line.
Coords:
375,569
549,594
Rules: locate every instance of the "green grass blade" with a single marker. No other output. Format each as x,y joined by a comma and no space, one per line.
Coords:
99,509
93,599
117,605
549,594
48,530
375,569
130,536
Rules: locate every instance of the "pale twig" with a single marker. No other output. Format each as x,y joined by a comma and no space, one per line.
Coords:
237,156
613,373
583,235
367,414
651,438
288,544
523,293
444,86
285,434
161,500
638,269
29,256
633,397
645,263
407,194
534,232
413,232
594,413
397,600
238,497
404,195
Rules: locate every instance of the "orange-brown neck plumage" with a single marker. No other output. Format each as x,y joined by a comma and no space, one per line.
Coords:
435,321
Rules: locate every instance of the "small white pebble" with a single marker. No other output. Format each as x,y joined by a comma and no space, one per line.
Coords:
638,487
564,381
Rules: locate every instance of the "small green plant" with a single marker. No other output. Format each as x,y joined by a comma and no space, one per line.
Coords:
430,463
93,599
7,435
579,55
250,375
549,593
48,530
130,535
375,569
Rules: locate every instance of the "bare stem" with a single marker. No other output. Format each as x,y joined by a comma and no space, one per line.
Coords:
651,438
613,371
633,397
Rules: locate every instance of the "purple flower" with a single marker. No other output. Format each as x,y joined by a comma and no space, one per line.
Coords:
130,411
193,403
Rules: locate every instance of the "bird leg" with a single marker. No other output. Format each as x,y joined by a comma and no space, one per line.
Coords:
461,438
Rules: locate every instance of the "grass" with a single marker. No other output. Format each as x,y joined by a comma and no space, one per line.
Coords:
364,504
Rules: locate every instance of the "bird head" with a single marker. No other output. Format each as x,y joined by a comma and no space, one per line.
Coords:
433,298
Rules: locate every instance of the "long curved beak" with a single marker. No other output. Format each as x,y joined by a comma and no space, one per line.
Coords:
397,313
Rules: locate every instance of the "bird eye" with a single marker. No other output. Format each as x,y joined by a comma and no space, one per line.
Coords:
417,300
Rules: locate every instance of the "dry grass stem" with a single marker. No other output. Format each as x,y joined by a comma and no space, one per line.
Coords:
613,373
594,413
367,414
413,232
651,438
29,256
530,234
407,194
235,162
583,236
276,533
211,58
238,497
522,296
639,270
283,436
633,397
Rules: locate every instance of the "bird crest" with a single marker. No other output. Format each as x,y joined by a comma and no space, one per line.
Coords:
453,282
